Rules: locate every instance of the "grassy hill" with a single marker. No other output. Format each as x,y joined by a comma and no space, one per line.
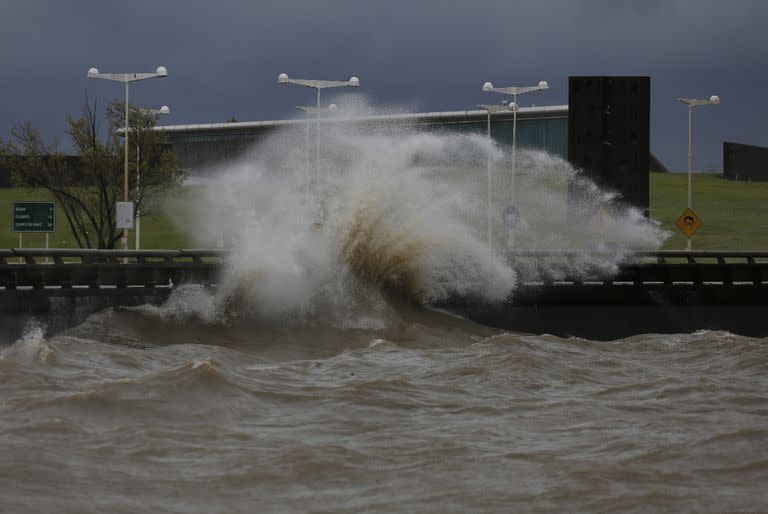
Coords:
735,215
157,230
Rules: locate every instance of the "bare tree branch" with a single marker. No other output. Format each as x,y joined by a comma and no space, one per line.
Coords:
88,192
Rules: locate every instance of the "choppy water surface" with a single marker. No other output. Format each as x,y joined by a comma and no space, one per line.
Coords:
311,380
132,411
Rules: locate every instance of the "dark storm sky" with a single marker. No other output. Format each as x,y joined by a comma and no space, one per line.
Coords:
223,57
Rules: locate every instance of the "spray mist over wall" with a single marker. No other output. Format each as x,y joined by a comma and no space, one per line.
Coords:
392,209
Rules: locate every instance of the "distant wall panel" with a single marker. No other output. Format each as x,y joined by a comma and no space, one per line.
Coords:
609,133
745,162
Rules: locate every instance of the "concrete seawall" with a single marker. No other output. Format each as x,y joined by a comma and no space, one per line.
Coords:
602,313
652,292
54,311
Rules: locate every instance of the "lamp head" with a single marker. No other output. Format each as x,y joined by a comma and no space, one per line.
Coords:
488,86
354,82
714,99
332,107
161,72
543,85
282,78
164,110
92,73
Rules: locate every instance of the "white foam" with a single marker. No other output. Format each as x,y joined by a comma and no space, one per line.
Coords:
391,206
31,346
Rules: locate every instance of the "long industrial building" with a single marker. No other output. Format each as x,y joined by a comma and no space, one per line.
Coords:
201,146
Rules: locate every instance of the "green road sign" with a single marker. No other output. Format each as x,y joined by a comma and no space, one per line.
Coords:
33,217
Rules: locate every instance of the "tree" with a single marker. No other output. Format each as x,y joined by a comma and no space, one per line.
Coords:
88,193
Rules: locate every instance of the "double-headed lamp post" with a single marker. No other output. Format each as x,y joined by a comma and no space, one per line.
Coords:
308,111
127,78
137,215
488,87
691,103
283,78
489,109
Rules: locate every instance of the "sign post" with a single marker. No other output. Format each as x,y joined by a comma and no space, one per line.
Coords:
33,216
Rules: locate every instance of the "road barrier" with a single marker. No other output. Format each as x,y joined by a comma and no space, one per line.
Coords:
591,294
94,269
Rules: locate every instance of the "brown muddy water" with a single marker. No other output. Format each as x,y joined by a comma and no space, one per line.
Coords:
138,411
302,386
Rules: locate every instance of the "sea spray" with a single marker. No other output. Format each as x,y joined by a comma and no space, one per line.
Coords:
395,209
32,346
401,223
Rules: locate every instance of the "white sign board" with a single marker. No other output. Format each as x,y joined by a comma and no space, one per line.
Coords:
124,215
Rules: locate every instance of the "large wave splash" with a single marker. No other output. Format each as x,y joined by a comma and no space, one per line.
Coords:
391,210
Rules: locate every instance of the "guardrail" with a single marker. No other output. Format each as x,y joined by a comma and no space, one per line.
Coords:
95,269
87,255
642,267
67,268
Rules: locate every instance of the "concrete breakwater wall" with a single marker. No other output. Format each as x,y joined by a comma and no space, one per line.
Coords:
561,293
52,311
57,289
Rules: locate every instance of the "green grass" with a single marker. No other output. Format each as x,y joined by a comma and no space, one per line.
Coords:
157,229
735,215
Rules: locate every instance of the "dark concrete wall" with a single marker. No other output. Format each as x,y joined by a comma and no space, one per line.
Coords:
609,133
745,162
20,310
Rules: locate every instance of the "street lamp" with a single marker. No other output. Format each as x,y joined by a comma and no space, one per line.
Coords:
691,103
162,110
152,112
283,78
491,109
127,78
307,111
514,91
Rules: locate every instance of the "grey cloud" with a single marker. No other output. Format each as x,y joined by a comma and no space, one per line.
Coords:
224,57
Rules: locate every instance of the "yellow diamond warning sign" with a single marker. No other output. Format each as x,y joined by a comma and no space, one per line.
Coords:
688,223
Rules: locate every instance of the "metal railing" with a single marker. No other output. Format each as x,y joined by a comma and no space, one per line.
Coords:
669,267
88,256
67,268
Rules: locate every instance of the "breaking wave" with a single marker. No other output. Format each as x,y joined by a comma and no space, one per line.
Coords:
394,211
